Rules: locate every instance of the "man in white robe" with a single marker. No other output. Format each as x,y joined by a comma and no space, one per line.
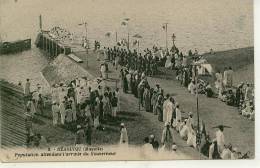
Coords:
229,77
189,121
225,77
55,113
62,112
184,130
178,117
35,97
192,88
123,135
220,138
165,103
169,111
103,71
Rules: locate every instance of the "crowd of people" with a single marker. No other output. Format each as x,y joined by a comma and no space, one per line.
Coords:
84,104
35,104
78,102
81,103
134,80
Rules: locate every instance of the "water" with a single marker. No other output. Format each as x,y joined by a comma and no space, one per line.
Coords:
201,24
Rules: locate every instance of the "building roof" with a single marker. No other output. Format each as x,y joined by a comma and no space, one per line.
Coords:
12,109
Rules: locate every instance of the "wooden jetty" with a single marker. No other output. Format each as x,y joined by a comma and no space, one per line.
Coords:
51,45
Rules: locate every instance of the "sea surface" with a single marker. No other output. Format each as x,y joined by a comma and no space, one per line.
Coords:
200,24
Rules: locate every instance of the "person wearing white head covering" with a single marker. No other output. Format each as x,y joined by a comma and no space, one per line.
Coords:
123,135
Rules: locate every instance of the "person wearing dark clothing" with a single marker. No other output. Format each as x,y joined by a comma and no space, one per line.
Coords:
215,154
80,136
114,102
101,110
239,95
88,132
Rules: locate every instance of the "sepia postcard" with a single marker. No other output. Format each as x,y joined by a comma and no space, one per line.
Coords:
103,80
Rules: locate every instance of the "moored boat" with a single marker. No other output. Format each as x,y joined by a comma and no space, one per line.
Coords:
15,46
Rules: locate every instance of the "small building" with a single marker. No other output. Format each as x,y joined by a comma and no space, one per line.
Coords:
12,115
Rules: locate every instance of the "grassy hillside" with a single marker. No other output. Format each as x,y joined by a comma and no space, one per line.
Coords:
236,58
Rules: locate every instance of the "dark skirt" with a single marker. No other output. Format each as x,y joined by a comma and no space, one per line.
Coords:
160,113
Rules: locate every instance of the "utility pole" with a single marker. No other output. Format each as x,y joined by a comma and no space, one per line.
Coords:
138,45
166,32
86,39
86,29
116,37
197,96
40,22
127,37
